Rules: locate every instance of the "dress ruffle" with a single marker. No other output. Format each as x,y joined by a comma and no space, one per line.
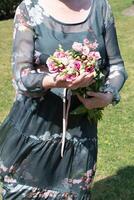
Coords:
30,155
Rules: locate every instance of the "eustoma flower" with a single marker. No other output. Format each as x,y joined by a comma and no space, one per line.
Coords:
82,57
77,46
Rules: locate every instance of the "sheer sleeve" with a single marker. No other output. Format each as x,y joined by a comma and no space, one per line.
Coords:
26,78
117,74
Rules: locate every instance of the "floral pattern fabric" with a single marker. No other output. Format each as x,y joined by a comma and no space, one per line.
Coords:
31,166
39,34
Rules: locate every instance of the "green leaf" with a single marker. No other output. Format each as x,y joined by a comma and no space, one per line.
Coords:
93,115
79,110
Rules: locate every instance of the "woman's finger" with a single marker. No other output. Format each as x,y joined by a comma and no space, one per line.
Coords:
79,79
88,103
87,83
82,81
92,103
94,94
90,75
82,99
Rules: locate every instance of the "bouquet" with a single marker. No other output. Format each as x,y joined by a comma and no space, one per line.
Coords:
82,57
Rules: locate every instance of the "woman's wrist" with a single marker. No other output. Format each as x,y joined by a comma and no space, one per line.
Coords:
108,88
48,82
109,96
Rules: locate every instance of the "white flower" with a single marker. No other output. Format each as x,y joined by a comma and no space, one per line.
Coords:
77,181
77,46
46,136
35,14
28,2
64,60
85,50
34,137
68,135
9,179
2,167
21,27
41,3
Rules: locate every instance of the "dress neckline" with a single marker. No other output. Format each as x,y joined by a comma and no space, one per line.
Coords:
71,24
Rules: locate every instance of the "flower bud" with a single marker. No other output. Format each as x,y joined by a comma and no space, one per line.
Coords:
83,57
60,65
85,61
89,64
78,57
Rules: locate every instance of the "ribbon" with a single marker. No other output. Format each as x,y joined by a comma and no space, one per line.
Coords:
66,96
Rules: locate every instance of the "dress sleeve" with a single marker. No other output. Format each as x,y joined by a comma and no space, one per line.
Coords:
117,74
26,78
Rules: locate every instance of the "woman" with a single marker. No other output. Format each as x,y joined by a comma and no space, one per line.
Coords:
30,137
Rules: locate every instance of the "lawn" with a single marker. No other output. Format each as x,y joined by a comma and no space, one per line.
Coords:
115,169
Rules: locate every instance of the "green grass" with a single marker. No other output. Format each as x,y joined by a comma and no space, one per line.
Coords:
115,169
6,90
115,174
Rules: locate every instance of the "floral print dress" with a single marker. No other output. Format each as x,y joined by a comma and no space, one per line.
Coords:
31,166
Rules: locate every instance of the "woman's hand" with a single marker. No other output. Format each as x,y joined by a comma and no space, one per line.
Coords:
59,82
83,80
97,100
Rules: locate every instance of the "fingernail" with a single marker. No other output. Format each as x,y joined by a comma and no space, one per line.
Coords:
89,93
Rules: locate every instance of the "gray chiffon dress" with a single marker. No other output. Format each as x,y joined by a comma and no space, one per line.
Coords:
31,166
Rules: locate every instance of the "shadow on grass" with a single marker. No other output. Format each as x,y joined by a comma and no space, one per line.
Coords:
117,187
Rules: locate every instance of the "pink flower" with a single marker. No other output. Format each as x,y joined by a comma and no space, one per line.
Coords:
71,74
77,181
84,188
85,50
61,68
89,69
52,67
86,41
70,77
95,55
88,180
77,46
25,72
77,64
59,54
93,45
89,172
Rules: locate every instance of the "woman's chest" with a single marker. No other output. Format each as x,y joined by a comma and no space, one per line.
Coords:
48,40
